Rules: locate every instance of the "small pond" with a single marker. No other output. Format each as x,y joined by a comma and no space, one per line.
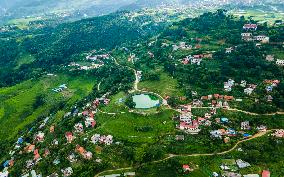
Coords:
145,101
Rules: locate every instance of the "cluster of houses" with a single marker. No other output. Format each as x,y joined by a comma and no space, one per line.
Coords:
94,61
231,167
60,88
188,123
196,59
90,66
228,85
250,37
184,46
83,152
102,139
279,133
88,113
218,101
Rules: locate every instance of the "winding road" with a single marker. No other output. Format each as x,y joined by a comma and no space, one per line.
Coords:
169,156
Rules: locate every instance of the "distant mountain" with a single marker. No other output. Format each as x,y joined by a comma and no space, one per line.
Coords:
11,9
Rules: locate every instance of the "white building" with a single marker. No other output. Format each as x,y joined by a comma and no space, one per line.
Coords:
248,91
262,38
280,62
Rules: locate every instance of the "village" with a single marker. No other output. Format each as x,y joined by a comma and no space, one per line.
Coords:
79,129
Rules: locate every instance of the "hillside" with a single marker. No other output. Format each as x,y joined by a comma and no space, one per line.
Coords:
145,93
17,9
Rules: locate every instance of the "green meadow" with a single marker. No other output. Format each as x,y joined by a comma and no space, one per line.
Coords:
18,103
166,86
137,128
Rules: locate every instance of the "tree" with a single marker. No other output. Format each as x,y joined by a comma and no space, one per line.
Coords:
129,102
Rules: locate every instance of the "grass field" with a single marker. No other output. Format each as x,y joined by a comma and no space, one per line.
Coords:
17,102
165,86
24,59
114,106
127,126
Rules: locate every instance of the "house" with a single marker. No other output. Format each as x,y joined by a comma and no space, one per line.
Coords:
269,98
185,118
39,137
189,128
69,137
226,140
95,138
247,36
246,135
280,62
279,133
208,55
216,96
36,155
72,158
197,103
4,174
242,164
90,122
67,171
204,98
33,173
265,173
250,27
269,88
109,140
262,38
245,125
224,120
261,128
51,129
216,134
225,105
55,142
248,91
46,152
56,161
228,98
251,175
79,127
186,168
243,83
269,58
229,50
29,163
180,137
231,132
20,140
227,88
196,60
30,148
83,152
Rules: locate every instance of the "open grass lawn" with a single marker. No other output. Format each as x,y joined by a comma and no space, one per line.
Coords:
114,106
136,128
17,102
24,59
165,86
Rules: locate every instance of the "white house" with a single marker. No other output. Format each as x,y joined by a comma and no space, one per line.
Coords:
280,62
248,91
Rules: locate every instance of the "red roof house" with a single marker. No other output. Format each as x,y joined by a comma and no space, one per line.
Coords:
265,173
